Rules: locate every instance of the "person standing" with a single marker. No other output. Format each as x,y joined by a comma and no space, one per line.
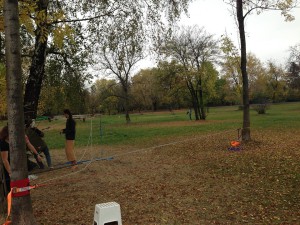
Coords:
70,132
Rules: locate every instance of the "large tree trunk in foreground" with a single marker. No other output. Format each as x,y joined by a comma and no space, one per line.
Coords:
246,108
21,206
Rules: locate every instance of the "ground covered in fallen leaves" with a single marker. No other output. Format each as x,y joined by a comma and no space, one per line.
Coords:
189,180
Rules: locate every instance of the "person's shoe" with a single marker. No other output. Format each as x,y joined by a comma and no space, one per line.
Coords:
32,177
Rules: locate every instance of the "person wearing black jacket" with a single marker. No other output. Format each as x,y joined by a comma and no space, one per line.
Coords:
36,138
70,132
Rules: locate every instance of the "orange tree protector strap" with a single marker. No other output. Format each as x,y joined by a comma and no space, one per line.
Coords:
7,222
9,199
20,185
14,191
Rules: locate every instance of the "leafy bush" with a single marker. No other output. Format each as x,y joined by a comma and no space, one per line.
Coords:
261,108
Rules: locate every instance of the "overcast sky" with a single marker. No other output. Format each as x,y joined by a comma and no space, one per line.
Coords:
268,36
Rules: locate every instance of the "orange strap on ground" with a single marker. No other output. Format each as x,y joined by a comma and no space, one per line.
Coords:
235,143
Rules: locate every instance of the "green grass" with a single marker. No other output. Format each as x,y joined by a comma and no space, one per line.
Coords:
111,130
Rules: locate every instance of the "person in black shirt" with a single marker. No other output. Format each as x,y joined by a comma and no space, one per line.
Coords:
70,132
5,154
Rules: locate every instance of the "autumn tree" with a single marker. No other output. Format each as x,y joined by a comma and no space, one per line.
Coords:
159,88
93,102
51,23
195,50
242,10
173,84
52,97
21,206
64,86
257,77
104,96
146,91
120,39
58,35
293,75
276,78
294,67
120,50
224,93
38,57
231,70
47,28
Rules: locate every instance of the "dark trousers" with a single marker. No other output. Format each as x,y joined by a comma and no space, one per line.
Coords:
46,152
32,165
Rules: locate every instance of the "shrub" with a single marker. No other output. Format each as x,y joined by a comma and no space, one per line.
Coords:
261,108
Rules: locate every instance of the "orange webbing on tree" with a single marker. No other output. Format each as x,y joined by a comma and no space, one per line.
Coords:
18,188
7,222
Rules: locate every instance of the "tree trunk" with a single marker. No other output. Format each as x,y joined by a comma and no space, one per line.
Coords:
195,107
201,105
195,102
246,108
127,112
37,72
126,104
21,212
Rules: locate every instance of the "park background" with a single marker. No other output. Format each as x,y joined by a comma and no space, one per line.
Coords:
57,52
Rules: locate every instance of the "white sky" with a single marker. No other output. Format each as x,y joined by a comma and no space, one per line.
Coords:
268,36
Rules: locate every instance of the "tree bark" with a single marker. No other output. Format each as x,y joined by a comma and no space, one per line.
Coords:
126,107
37,72
246,106
201,102
126,99
21,212
194,99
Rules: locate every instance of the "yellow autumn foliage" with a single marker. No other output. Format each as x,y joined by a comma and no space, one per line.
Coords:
30,17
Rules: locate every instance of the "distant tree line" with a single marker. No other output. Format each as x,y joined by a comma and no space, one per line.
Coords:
165,88
168,86
195,69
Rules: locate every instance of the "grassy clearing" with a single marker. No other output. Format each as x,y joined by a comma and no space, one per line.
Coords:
112,130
